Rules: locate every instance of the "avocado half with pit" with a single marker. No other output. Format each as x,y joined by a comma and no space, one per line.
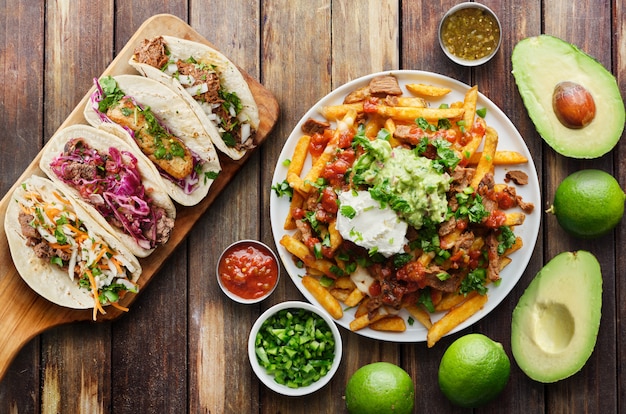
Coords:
574,102
556,321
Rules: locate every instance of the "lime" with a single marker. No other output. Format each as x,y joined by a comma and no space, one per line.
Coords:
588,203
380,387
473,371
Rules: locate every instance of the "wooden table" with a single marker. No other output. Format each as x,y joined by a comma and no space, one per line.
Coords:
182,346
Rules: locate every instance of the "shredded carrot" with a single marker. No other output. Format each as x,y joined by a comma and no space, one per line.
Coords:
60,197
100,255
61,246
52,212
117,265
94,291
120,307
74,229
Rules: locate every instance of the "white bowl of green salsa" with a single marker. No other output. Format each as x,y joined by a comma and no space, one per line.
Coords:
470,34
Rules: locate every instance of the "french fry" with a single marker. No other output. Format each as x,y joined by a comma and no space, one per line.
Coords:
486,160
320,163
389,324
471,147
404,113
469,106
410,102
519,243
340,294
451,299
429,91
373,125
301,251
514,218
504,262
420,314
300,153
501,158
334,112
454,318
344,283
365,320
328,302
354,298
296,202
362,308
335,237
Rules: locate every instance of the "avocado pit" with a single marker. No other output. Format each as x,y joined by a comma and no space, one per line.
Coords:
573,105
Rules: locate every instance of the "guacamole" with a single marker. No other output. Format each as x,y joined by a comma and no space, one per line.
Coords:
409,183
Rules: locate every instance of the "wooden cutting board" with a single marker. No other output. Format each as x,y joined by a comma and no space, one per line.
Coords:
23,313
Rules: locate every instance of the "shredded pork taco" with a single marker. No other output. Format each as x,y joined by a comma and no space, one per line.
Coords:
212,85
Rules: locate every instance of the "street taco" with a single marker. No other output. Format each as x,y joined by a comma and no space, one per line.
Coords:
212,85
117,187
62,253
158,122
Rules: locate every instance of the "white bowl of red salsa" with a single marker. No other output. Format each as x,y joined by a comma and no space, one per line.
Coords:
248,271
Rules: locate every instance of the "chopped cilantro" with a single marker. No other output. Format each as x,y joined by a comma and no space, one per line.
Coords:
283,189
475,280
506,239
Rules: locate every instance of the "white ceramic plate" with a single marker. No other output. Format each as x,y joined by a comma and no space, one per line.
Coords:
509,139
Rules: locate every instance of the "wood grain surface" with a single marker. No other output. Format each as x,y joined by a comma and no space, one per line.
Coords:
182,347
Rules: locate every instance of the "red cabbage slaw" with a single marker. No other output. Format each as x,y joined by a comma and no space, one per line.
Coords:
188,184
113,186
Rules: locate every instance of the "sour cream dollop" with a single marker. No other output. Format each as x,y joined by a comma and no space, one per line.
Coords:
361,220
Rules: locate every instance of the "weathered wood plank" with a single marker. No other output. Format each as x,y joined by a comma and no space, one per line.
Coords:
150,375
365,39
21,119
587,25
73,383
221,379
296,61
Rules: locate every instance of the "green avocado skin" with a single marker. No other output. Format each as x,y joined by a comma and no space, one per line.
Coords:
539,64
557,319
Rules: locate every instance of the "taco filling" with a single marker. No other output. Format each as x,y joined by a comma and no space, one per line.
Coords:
112,184
58,236
173,159
202,81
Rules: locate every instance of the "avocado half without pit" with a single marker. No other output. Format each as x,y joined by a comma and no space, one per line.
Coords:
574,102
556,321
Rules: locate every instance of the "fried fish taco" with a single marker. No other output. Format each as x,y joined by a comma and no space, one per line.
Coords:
212,85
158,122
62,253
117,187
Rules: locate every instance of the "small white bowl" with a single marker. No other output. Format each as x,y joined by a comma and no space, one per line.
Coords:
268,379
259,246
460,60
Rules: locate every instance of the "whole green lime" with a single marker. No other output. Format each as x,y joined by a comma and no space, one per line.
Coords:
588,203
380,387
473,371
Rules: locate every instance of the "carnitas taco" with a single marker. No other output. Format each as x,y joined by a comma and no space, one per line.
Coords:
62,253
158,122
214,87
116,186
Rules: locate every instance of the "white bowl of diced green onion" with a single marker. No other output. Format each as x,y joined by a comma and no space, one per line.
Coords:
294,348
